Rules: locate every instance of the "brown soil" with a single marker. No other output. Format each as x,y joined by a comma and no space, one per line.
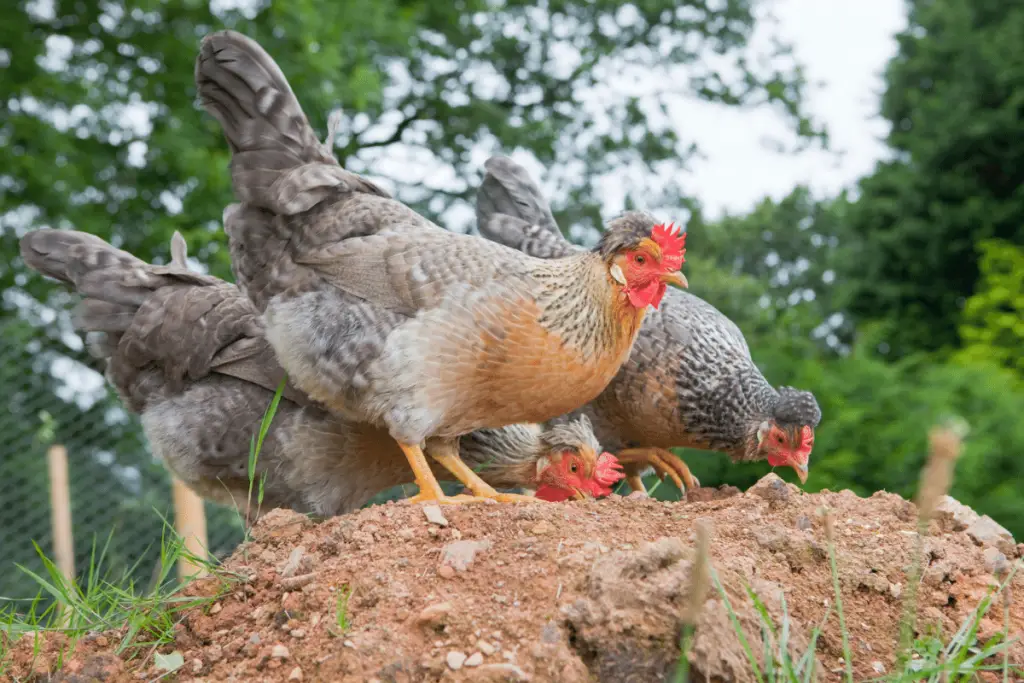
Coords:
583,591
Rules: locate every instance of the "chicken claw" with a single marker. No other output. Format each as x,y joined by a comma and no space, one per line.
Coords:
664,464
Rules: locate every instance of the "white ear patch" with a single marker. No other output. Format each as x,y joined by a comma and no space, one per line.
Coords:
762,431
616,272
543,463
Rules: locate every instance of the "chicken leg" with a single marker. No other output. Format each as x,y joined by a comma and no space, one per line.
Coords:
447,454
430,490
664,463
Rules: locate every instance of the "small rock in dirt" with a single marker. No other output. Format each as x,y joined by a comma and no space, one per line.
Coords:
485,647
542,527
638,495
216,608
295,675
896,590
407,534
214,653
445,572
296,582
434,615
434,515
280,652
292,565
987,531
501,672
803,522
475,659
349,644
279,524
878,667
254,639
954,514
460,554
197,666
455,660
996,561
297,633
772,488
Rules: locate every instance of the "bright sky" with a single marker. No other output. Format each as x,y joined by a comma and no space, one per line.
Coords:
844,45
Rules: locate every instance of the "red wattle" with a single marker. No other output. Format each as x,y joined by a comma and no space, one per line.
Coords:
647,294
553,494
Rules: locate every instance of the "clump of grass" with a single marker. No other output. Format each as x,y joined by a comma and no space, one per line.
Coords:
341,611
143,619
830,536
936,478
255,448
699,583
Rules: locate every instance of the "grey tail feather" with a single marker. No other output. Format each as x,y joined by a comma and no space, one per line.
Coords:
278,163
508,189
179,250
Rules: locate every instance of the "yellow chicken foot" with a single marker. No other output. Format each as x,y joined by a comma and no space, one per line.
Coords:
430,490
448,456
664,464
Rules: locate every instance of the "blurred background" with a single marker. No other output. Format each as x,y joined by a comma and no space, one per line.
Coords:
850,175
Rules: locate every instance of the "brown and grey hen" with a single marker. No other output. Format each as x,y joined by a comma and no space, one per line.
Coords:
690,380
388,319
187,352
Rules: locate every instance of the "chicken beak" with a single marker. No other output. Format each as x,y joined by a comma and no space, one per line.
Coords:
577,494
801,473
675,278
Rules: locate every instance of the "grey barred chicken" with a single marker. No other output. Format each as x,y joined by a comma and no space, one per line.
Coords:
188,353
689,382
387,319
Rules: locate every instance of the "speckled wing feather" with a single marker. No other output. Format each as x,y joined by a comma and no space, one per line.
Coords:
508,191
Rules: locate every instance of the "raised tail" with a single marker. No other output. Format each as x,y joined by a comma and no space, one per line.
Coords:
511,210
278,164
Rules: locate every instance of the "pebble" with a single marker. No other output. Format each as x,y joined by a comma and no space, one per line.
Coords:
197,666
446,572
485,647
475,659
298,633
987,531
280,652
460,554
407,534
434,515
434,614
216,608
455,660
292,565
254,639
502,672
295,675
995,561
542,527
349,644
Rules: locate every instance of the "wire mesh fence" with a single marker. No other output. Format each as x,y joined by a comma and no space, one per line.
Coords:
120,495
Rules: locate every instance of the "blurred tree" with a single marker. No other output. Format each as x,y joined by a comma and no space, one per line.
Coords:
100,132
954,101
992,329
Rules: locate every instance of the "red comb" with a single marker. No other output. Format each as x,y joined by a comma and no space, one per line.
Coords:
672,241
608,470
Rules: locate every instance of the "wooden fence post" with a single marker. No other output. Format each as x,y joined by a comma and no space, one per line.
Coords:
190,521
60,511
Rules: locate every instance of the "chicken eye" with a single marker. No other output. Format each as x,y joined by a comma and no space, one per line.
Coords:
640,259
573,467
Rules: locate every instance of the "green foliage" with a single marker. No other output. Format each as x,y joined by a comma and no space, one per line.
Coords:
953,99
992,327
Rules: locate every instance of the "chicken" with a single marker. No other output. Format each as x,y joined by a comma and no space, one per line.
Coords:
689,382
386,318
188,353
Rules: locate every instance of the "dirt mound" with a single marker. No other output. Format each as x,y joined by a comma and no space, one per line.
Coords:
568,592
